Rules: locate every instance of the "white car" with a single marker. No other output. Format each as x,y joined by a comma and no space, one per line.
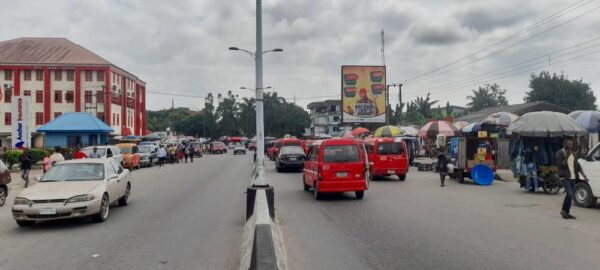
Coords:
104,151
74,189
587,193
239,149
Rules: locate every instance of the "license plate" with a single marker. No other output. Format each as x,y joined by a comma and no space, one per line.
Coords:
293,158
341,174
48,211
391,172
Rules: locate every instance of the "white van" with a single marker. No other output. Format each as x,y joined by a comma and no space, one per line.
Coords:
587,193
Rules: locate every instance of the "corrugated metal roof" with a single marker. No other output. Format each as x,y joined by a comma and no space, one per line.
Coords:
56,51
75,122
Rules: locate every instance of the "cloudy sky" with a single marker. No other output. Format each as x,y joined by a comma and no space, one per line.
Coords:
439,46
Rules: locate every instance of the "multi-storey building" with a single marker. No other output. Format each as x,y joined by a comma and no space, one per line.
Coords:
61,76
325,117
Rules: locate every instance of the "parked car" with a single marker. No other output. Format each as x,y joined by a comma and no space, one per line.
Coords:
336,165
587,193
239,149
290,157
197,149
148,155
4,181
105,151
131,155
217,148
387,156
154,143
74,189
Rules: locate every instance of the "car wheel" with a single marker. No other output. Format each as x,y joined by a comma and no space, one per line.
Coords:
402,177
102,215
316,192
360,194
3,195
124,201
584,196
306,187
25,223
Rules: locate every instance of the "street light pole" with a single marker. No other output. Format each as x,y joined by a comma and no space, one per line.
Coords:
260,126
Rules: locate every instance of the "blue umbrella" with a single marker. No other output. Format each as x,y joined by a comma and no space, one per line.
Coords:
472,128
587,119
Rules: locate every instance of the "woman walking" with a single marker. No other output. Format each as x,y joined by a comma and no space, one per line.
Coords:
442,166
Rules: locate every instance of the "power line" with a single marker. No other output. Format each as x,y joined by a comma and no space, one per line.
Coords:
511,37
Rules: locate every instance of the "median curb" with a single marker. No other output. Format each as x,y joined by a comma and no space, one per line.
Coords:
261,247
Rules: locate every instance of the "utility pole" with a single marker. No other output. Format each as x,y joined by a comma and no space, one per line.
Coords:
382,48
260,128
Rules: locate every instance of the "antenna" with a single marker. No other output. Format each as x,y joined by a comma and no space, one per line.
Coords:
382,48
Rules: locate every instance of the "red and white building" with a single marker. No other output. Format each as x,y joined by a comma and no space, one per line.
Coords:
61,76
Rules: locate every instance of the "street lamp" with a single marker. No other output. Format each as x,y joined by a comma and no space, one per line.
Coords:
254,54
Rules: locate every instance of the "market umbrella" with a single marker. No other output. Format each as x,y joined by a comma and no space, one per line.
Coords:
347,134
500,118
388,131
410,131
359,130
433,128
589,120
460,124
472,128
546,124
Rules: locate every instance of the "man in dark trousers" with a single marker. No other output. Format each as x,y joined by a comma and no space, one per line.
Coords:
26,162
568,171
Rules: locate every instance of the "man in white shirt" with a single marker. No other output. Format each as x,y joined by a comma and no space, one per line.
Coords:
161,154
56,156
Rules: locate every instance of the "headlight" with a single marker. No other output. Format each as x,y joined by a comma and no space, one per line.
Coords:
21,200
80,198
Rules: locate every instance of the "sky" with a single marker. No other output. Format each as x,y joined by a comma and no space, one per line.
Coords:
445,47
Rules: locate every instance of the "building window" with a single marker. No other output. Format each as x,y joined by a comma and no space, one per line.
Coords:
27,75
100,116
88,76
58,75
100,97
7,96
88,97
100,75
57,114
39,75
27,93
113,119
114,77
69,96
70,75
39,118
39,96
8,74
57,96
7,119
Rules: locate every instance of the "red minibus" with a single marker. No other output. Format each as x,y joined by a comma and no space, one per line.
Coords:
387,156
336,165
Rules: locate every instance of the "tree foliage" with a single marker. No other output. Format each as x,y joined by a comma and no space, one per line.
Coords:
490,95
558,89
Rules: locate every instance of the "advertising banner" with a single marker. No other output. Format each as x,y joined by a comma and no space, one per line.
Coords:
21,133
363,94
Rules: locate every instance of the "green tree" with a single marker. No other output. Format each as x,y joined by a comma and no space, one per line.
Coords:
490,95
558,89
423,105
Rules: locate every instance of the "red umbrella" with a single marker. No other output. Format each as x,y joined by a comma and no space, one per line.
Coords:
359,130
433,128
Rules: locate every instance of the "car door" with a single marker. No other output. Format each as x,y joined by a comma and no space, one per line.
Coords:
113,183
123,178
591,168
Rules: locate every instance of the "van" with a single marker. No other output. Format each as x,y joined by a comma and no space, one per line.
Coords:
387,156
336,165
131,155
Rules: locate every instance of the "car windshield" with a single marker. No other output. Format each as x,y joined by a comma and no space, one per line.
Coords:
145,148
99,151
125,150
340,153
390,148
291,150
74,172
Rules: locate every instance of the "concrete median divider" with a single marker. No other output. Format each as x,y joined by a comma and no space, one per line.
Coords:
261,247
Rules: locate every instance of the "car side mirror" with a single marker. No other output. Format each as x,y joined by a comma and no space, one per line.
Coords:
113,177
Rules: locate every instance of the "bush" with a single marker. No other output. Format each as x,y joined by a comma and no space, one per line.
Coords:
37,154
11,157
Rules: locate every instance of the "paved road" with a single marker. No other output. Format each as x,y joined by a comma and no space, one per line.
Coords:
183,216
419,225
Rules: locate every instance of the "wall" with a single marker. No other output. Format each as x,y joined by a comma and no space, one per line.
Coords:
60,139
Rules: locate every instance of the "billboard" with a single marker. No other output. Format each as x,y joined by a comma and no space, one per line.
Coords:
21,133
363,94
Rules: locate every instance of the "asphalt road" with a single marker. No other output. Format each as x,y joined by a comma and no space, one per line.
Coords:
182,216
416,224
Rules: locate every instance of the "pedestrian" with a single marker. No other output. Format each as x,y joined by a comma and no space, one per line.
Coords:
172,153
56,156
161,154
180,154
95,153
78,154
47,164
186,153
26,162
442,166
191,152
532,161
568,171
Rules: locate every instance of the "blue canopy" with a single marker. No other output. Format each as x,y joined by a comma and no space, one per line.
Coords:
76,122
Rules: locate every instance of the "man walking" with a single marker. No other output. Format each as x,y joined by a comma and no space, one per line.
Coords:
56,156
568,171
161,154
26,162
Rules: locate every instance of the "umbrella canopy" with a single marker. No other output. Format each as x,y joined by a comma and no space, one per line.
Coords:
388,131
410,131
589,120
472,128
460,124
359,130
546,124
433,128
500,118
347,134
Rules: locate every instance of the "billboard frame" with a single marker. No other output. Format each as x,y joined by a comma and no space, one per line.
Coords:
342,94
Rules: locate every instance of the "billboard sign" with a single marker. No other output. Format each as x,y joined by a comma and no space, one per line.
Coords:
363,94
21,133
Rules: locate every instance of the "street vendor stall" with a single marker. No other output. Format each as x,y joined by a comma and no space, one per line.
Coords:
434,133
535,137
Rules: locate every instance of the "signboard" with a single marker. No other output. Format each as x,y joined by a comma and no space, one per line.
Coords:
482,134
21,133
363,94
